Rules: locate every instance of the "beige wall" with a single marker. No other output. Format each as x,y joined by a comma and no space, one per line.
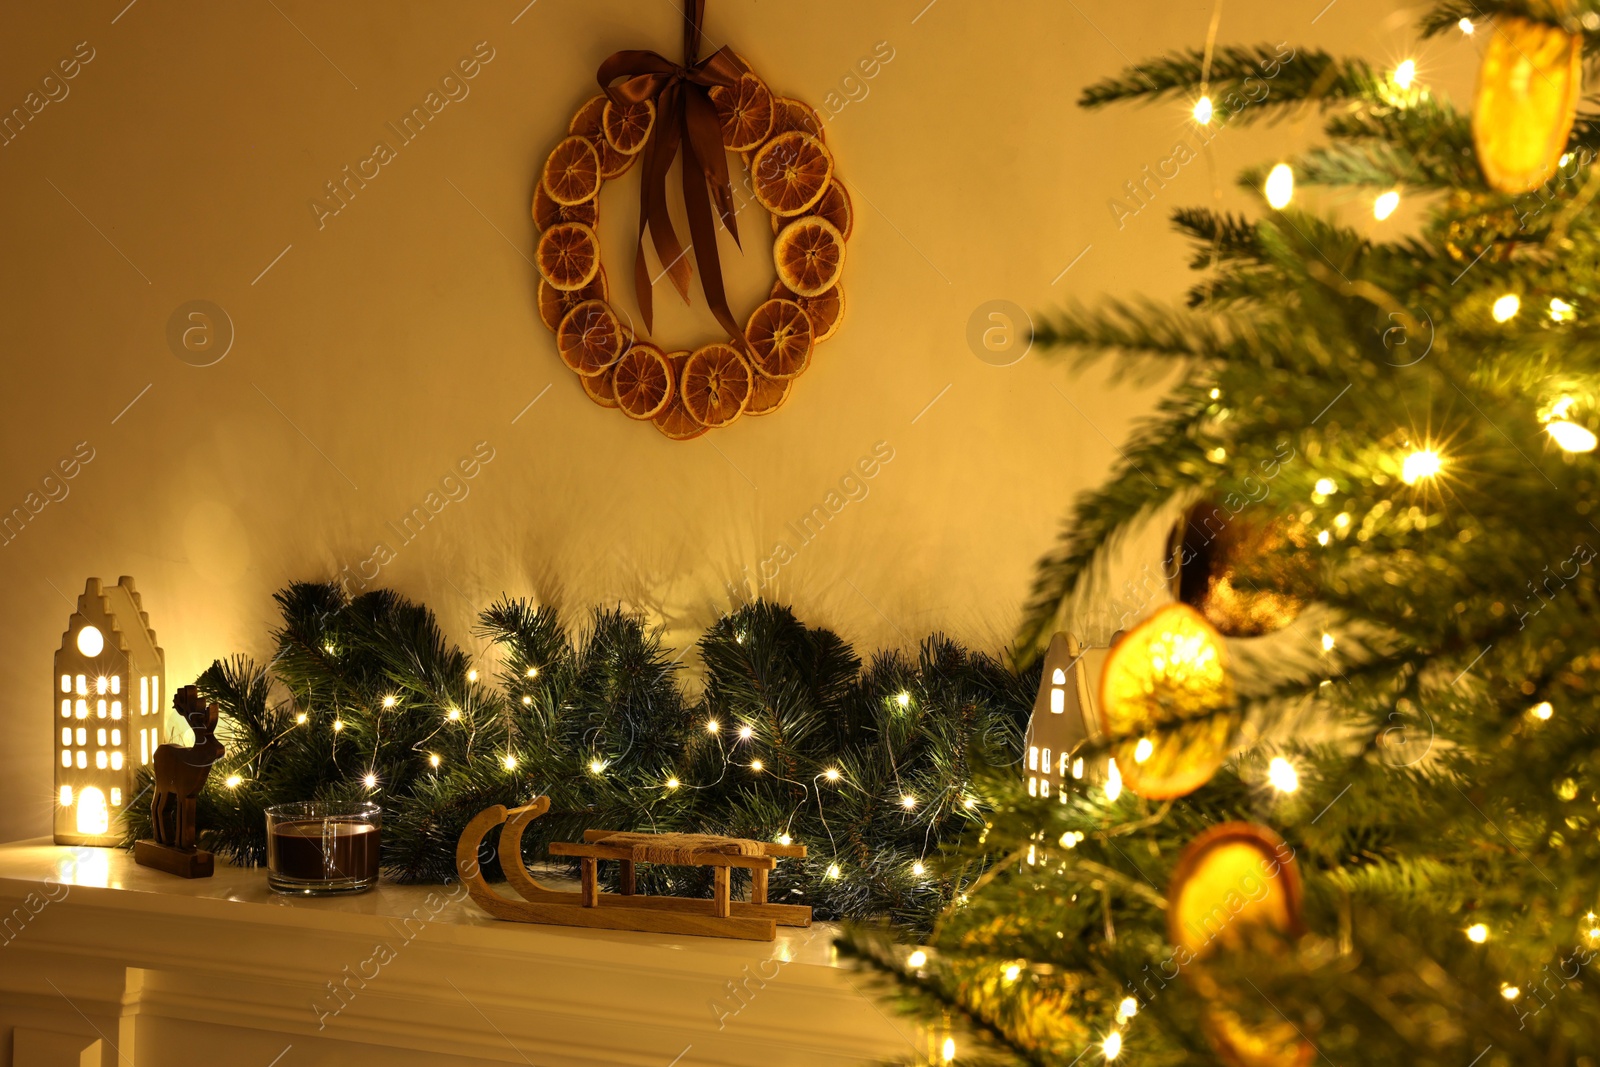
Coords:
382,345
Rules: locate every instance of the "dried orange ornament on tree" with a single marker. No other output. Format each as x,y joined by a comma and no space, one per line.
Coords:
1527,99
650,109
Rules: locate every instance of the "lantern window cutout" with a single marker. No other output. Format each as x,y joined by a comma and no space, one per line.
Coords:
108,641
1063,715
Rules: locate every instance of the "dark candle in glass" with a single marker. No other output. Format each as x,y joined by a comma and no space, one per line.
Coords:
317,847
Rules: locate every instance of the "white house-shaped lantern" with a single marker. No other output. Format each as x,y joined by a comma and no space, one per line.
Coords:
109,683
1064,715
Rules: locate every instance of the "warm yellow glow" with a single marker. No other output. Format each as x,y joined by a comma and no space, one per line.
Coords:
1327,642
338,724
1128,1008
1282,775
369,780
833,870
785,839
1113,780
510,761
919,869
300,719
1477,933
918,958
711,726
904,699
1323,537
327,646
1012,972
1542,710
453,714
596,766
472,676
1279,189
1420,464
1203,111
831,774
1560,310
100,684
1069,839
66,796
526,701
1143,750
1112,1045
1216,394
233,781
673,783
1466,26
1405,73
745,733
389,701
533,672
1505,309
1572,437
908,802
1510,992
1325,487
93,815
91,641
948,1051
1384,206
433,759
756,765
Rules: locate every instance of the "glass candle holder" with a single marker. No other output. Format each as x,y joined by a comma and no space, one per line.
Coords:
319,847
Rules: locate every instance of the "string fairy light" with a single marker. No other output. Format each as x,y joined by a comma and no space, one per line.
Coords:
1127,1009
1143,750
390,701
1571,437
711,726
1505,308
510,761
338,724
1385,205
1113,785
1282,775
1406,73
1419,464
1203,110
917,958
1111,1047
1466,26
673,783
369,780
433,759
300,719
472,675
831,774
233,781
1560,310
757,766
1542,710
453,714
1279,187
746,733
1477,933
533,672
903,698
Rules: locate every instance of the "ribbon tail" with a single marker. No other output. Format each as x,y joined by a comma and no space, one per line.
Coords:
703,239
653,197
704,132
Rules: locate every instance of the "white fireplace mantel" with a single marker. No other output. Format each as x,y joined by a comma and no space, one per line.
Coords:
103,962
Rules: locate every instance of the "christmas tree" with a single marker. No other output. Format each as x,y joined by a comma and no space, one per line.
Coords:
792,737
1378,464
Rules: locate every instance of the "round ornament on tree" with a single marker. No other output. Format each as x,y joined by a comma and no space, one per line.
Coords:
1527,99
1165,695
1211,543
1233,880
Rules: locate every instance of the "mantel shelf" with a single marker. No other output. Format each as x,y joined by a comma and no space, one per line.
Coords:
136,966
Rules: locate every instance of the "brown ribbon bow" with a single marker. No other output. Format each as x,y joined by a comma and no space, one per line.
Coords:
684,113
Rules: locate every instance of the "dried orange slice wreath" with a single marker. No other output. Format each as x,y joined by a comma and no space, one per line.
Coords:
790,173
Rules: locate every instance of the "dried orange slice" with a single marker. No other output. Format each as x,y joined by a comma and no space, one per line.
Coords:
572,173
745,111
644,382
779,336
555,303
589,123
834,206
791,172
768,395
789,114
809,254
546,212
602,387
716,384
590,338
569,255
824,311
627,128
674,420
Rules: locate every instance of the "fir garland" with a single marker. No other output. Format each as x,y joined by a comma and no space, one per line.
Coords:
870,765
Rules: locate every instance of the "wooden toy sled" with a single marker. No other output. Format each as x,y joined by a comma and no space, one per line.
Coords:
721,916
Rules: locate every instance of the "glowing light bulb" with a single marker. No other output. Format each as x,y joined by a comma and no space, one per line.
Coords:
1420,464
233,781
1560,310
338,724
1113,781
1279,188
757,765
533,672
327,646
1112,1045
908,802
389,701
831,774
785,839
969,803
369,780
527,701
300,719
745,733
1542,710
1385,204
833,870
1143,750
1203,111
918,958
1327,642
1466,26
453,714
1571,437
1506,307
948,1051
1477,933
904,699
1325,487
1282,775
1069,840
433,759
673,783
711,726
1323,537
1128,1008
1012,972
596,766
1405,73
1216,394
510,762
918,869
1510,992
472,676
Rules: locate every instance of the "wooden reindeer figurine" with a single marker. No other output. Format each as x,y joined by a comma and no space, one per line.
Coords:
180,774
